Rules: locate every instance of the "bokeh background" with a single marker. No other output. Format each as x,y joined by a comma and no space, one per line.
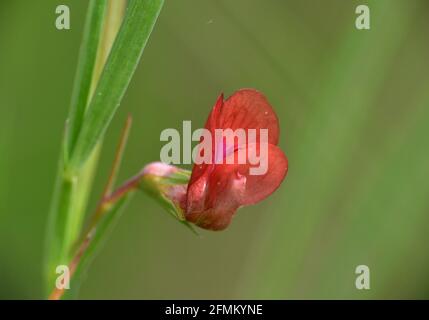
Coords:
354,115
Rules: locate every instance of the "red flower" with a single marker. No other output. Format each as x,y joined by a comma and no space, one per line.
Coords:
217,189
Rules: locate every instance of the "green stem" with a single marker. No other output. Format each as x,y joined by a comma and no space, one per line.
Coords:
98,91
109,213
108,205
73,188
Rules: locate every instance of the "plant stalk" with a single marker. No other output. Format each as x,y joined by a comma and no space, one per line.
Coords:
73,188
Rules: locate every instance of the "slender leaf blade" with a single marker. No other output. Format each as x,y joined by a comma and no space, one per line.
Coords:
86,67
123,60
72,190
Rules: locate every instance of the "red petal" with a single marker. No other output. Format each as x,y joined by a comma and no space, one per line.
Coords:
217,190
198,170
211,123
256,187
216,195
245,109
249,109
215,219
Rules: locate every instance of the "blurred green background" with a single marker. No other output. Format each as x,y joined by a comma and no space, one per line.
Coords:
354,114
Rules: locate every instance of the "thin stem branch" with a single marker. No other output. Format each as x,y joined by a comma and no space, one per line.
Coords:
105,198
118,156
73,187
108,199
104,207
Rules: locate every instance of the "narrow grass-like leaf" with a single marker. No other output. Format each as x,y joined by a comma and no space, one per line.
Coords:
132,38
81,149
85,68
72,191
96,224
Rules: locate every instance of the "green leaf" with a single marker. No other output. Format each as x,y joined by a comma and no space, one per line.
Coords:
104,84
124,57
85,69
72,191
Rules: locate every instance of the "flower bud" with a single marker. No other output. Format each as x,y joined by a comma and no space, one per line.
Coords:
167,184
